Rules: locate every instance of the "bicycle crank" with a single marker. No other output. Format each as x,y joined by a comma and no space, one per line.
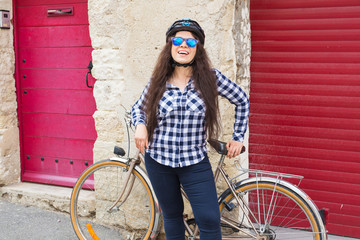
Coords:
261,238
266,236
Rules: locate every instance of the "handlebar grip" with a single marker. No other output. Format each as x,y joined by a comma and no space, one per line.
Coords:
243,149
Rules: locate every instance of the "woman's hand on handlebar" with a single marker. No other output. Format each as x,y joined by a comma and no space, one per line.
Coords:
141,138
234,148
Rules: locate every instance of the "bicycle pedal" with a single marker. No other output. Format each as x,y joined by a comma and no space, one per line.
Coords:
229,206
234,230
190,221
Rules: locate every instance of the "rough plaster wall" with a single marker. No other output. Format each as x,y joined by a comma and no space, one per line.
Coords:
242,38
9,133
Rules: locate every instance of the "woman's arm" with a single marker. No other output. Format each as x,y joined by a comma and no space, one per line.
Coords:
137,111
139,121
238,97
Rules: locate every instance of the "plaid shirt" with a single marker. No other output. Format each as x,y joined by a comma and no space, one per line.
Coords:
180,137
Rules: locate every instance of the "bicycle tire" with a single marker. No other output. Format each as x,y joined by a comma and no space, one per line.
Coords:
97,188
295,216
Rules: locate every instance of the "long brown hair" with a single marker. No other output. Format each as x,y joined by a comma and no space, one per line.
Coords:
205,82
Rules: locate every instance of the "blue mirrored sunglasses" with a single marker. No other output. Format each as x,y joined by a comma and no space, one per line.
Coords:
189,41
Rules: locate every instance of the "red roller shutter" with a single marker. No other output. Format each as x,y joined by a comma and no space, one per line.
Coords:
305,100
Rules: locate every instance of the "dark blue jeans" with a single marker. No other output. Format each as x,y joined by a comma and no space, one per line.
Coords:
198,183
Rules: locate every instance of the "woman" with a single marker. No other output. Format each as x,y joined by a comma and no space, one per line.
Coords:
175,114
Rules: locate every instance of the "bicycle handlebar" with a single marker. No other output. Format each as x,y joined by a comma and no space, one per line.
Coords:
220,146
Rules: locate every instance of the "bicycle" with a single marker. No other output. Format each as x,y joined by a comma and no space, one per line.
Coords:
116,194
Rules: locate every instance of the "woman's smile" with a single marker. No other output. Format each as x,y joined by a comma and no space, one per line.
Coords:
183,53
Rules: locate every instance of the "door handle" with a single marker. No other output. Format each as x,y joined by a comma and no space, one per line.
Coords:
90,66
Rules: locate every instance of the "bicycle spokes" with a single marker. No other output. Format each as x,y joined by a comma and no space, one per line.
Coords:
127,186
267,209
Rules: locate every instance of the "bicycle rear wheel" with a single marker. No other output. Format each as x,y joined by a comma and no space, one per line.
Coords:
97,189
279,212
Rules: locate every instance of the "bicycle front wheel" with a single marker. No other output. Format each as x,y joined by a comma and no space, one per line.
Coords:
95,193
276,211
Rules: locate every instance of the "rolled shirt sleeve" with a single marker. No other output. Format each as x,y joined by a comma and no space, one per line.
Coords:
137,111
238,97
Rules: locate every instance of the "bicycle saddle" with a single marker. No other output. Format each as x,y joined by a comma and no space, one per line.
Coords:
219,146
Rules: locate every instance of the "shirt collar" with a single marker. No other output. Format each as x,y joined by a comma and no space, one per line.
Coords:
189,85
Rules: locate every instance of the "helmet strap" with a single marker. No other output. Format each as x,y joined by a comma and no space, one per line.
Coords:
176,64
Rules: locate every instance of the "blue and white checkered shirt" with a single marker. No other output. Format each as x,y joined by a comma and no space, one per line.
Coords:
180,137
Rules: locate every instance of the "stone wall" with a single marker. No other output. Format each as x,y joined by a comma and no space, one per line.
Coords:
9,132
242,38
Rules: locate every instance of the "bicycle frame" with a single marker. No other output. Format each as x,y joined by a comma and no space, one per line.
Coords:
276,178
221,171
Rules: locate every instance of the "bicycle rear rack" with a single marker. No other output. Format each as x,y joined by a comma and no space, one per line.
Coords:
258,174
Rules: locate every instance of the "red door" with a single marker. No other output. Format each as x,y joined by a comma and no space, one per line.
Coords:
305,100
55,110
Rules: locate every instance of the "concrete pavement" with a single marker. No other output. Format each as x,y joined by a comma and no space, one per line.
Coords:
18,222
40,212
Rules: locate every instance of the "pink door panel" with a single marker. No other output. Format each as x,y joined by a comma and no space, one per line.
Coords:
58,101
55,57
68,126
55,79
36,16
57,127
54,37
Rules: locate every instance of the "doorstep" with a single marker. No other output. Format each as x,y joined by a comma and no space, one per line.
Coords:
53,198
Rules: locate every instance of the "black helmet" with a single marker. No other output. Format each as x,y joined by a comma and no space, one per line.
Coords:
186,24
